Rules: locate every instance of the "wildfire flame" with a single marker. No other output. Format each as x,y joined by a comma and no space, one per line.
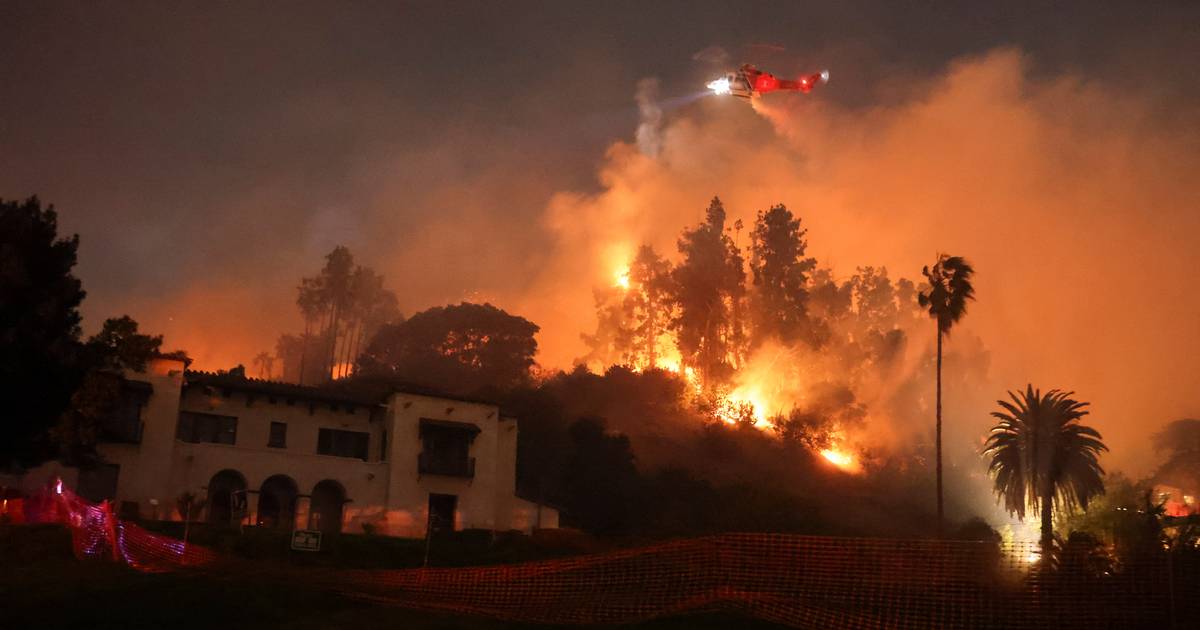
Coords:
839,458
622,278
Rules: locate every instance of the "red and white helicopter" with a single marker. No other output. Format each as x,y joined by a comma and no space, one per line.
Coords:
748,81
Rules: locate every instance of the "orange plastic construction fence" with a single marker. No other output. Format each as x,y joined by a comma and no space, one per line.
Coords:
799,581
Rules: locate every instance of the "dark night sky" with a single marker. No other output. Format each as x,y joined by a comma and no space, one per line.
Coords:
159,129
209,154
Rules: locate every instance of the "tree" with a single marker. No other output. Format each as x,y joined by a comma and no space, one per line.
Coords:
460,348
649,299
612,343
346,303
264,362
708,283
39,327
946,300
117,348
600,481
1043,457
632,317
780,273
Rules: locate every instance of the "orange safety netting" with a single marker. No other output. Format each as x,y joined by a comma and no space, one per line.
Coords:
799,581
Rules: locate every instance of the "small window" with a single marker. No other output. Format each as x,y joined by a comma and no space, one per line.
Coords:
278,438
343,443
383,445
206,427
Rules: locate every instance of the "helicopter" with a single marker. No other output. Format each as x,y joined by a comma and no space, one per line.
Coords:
748,81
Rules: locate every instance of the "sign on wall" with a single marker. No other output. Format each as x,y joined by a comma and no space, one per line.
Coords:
306,540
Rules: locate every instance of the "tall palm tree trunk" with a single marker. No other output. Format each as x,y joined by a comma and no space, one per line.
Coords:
940,507
1047,519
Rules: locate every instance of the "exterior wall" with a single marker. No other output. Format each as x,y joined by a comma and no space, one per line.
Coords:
528,516
142,476
195,464
506,473
386,493
408,491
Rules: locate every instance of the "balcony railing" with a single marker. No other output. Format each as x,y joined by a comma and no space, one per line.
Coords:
429,464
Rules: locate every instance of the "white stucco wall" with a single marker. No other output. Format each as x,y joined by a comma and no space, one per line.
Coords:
386,491
408,491
144,467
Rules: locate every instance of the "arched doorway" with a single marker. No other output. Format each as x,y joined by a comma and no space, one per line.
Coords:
226,495
328,497
277,502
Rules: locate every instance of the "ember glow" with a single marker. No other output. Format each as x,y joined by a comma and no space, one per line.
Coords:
839,459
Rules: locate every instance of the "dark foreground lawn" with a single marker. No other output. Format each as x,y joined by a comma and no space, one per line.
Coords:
43,586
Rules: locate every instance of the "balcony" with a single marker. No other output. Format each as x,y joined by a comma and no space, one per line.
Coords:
435,464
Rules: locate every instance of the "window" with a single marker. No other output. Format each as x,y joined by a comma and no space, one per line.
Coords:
383,445
123,422
278,437
343,443
446,448
206,427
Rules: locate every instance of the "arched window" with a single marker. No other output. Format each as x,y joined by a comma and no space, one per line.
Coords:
328,497
226,496
277,502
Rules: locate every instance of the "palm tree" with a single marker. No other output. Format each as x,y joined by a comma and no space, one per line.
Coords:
264,362
946,298
1042,457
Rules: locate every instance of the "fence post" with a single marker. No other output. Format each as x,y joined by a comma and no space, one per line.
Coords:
110,523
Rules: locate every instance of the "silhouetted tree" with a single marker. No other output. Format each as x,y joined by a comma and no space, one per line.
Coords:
39,327
296,355
346,303
458,348
830,411
708,282
1043,457
264,363
612,343
946,298
632,317
601,483
780,273
830,305
649,299
118,347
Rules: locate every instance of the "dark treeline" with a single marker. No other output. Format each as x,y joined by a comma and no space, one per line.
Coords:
55,385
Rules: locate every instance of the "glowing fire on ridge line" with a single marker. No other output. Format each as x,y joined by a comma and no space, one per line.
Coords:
753,395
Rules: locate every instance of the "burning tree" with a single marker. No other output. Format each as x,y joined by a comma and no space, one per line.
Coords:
633,316
709,282
780,297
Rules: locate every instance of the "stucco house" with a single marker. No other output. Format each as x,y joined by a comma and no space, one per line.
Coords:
282,455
